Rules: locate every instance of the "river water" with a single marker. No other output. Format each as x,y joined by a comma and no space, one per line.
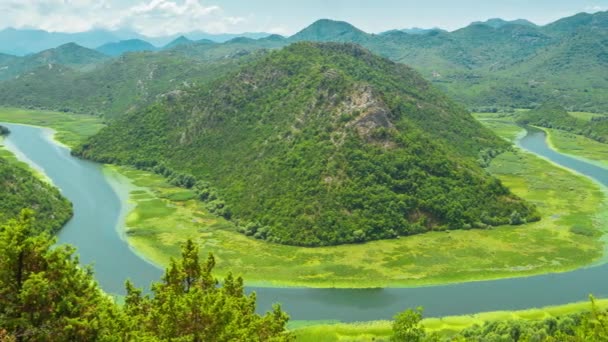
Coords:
98,212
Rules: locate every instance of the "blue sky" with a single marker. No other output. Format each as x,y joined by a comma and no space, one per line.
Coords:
164,17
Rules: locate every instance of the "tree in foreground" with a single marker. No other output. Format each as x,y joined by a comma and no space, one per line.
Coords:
188,305
407,327
46,296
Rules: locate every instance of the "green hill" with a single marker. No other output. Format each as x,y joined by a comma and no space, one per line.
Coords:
498,22
320,144
181,40
70,54
112,88
19,189
124,46
326,30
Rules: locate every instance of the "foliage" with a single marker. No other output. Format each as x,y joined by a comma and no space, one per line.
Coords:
112,88
407,326
19,189
551,115
189,306
46,295
4,130
323,144
70,54
591,325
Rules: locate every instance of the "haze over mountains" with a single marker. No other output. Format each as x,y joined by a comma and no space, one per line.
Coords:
26,41
489,65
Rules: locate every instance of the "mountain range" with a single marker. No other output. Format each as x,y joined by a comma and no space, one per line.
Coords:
489,65
22,42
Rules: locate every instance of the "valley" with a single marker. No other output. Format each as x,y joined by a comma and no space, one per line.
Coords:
154,204
305,186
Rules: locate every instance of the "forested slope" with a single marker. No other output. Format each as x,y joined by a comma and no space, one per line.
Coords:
112,88
321,144
19,189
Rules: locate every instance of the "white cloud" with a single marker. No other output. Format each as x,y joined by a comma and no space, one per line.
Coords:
595,8
282,30
149,17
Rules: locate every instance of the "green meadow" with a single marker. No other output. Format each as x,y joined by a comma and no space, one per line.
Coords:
562,141
444,326
578,145
71,129
568,237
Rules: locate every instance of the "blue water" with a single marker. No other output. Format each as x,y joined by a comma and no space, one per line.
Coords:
97,213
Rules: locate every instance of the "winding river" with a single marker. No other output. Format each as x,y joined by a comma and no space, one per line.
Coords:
99,211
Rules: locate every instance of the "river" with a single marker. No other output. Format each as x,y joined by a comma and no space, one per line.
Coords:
99,210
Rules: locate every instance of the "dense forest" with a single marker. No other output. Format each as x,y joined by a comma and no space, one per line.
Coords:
45,295
318,144
20,189
551,115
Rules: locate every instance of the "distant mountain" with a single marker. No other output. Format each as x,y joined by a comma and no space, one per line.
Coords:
273,38
23,42
26,41
181,40
326,30
112,88
320,144
498,23
569,25
224,37
69,54
414,30
486,65
123,46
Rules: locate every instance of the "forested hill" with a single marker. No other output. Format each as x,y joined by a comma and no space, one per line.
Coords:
112,88
321,143
19,189
552,115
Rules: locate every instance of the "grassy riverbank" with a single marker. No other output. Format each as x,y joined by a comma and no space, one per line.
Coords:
444,326
71,128
12,159
562,141
568,237
578,145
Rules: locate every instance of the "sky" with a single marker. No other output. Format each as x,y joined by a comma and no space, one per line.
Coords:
167,17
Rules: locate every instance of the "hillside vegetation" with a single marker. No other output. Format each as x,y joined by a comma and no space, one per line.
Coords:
70,54
19,189
321,144
45,294
112,88
551,115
